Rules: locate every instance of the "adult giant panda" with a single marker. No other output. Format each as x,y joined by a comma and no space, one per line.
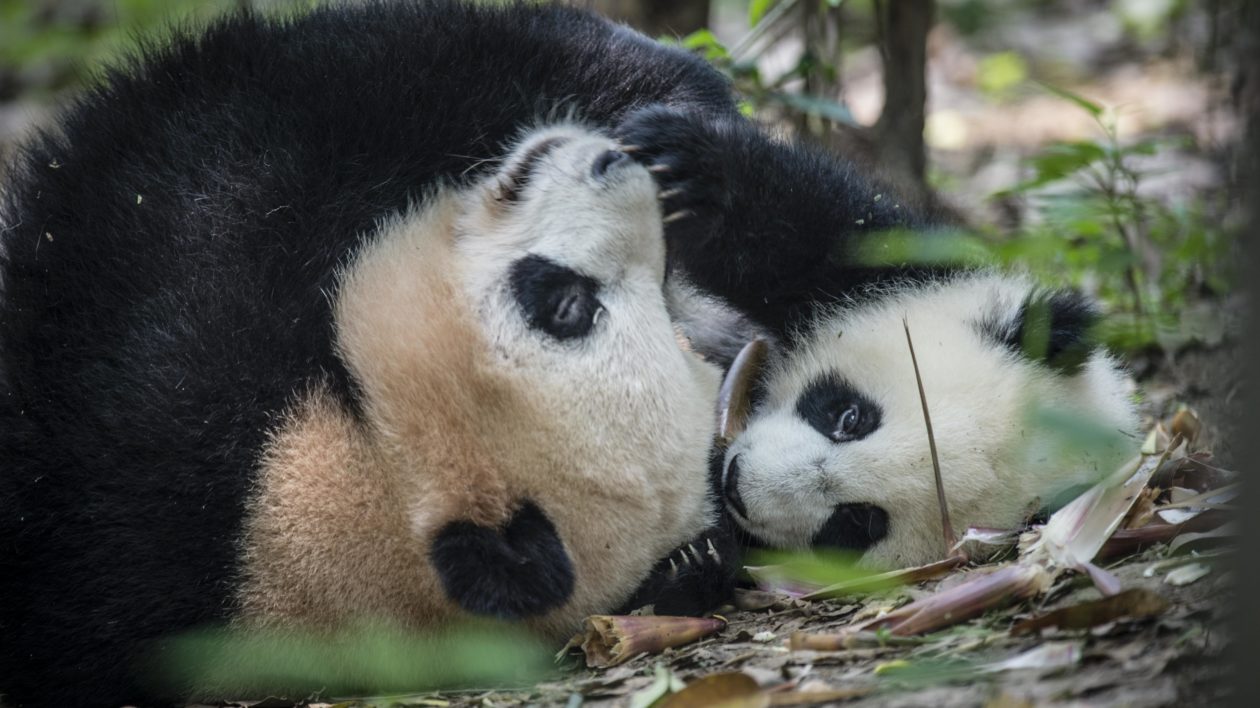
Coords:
529,438
1025,408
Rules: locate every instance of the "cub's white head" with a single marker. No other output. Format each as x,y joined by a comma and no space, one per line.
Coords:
836,454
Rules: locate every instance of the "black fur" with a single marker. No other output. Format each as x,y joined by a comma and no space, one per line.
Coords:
518,571
775,228
1055,328
169,249
555,299
824,403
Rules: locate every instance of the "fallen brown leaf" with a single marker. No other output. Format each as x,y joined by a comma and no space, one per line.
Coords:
726,690
1135,603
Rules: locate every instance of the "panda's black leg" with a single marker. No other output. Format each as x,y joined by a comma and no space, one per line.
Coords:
772,227
516,571
695,578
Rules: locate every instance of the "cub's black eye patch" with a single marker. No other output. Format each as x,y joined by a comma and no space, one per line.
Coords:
833,407
555,299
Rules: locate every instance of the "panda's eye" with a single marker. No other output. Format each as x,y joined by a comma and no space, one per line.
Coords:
847,423
836,409
555,299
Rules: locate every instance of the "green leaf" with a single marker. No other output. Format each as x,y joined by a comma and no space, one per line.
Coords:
757,9
706,41
901,247
1058,162
1092,108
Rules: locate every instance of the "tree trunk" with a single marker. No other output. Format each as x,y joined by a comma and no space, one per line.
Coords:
903,45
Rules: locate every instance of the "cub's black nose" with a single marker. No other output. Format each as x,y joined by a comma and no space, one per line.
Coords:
731,488
853,527
607,160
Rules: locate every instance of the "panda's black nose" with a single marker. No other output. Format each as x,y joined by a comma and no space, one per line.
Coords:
730,489
853,527
607,160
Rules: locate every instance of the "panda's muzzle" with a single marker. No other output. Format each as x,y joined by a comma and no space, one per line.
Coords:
853,527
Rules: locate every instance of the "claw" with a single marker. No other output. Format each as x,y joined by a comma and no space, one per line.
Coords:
659,168
667,194
695,554
676,216
682,555
628,149
673,568
713,552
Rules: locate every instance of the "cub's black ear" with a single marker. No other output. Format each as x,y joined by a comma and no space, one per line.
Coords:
1053,327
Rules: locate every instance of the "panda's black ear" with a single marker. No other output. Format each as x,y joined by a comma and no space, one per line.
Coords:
1055,327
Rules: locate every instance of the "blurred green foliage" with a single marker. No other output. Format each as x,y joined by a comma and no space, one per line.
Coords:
807,571
371,658
1146,258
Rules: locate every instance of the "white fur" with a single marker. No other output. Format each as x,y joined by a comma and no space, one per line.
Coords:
997,461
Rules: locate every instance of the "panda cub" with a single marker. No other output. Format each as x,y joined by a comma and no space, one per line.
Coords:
836,454
530,441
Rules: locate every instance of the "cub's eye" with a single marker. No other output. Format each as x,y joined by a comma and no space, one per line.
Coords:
847,423
837,409
555,299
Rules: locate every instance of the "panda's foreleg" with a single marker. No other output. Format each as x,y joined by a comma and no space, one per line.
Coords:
516,571
770,226
694,578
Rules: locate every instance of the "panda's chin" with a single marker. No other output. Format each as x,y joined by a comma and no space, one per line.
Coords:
853,527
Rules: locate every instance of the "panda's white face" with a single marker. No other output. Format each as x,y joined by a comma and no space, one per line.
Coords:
837,452
565,263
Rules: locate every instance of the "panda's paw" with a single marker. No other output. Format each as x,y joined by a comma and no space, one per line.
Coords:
513,572
695,578
684,152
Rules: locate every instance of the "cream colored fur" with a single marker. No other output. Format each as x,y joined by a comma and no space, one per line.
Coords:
998,464
468,411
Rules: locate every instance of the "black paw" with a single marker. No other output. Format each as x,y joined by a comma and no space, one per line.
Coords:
695,578
514,572
686,153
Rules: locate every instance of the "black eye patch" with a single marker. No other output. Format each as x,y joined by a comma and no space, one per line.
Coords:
833,407
555,299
